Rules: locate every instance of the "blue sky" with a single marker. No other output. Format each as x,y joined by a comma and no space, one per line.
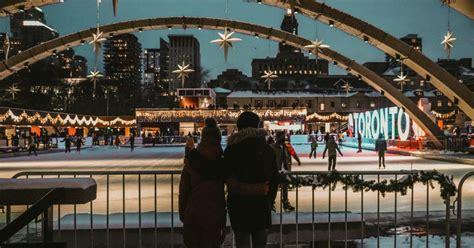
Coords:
427,18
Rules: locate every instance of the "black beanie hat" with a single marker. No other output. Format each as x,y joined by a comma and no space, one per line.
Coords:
211,130
248,119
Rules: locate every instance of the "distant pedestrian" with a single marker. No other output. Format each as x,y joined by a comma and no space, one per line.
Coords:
326,137
380,148
31,145
188,147
67,144
331,149
79,143
359,142
314,147
132,141
117,141
293,153
340,138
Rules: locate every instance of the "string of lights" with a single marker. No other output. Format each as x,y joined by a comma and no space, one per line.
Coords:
443,115
333,116
58,119
221,115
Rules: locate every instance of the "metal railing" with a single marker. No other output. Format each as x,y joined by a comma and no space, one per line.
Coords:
114,228
459,207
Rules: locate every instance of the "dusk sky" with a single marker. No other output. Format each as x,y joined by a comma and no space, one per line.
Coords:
427,18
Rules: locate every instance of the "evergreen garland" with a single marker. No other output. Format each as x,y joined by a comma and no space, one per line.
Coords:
447,186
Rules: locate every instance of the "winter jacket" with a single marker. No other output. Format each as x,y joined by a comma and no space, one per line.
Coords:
251,160
380,145
202,200
278,149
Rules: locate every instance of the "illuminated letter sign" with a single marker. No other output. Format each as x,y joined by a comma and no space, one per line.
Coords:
391,123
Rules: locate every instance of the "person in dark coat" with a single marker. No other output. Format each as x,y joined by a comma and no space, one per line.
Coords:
359,141
332,149
283,162
251,160
32,141
67,144
79,143
132,141
314,147
381,147
201,191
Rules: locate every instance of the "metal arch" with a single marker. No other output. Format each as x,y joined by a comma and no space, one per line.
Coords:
42,51
440,78
9,7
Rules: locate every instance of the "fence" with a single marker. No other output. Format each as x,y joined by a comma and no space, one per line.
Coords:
109,221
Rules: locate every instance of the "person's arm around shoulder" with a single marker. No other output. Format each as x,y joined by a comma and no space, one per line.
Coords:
184,191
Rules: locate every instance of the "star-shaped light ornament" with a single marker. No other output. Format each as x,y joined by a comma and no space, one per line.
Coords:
269,75
96,42
13,90
448,42
225,42
402,80
347,87
6,47
183,72
316,47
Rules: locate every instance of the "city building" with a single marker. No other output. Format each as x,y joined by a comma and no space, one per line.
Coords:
29,29
291,66
233,79
122,59
151,65
69,65
184,49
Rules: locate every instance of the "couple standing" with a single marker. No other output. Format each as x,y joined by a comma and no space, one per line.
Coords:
249,170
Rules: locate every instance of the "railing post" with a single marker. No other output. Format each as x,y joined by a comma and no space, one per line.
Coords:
448,222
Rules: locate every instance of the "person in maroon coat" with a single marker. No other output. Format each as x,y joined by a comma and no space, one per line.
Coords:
202,206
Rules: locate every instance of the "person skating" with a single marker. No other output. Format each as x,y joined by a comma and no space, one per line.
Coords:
340,138
201,191
117,141
359,142
188,147
67,143
32,144
79,143
381,147
132,141
314,147
331,149
293,153
251,160
283,162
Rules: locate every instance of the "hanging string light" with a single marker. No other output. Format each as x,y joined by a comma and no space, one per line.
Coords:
96,42
402,78
225,40
449,39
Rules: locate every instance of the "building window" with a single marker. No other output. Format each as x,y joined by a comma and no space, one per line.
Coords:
271,103
321,106
450,104
333,105
284,103
439,104
372,104
357,105
309,103
422,83
343,105
258,103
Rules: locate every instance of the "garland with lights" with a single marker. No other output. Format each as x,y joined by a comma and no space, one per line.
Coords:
318,117
59,120
447,186
221,115
444,116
